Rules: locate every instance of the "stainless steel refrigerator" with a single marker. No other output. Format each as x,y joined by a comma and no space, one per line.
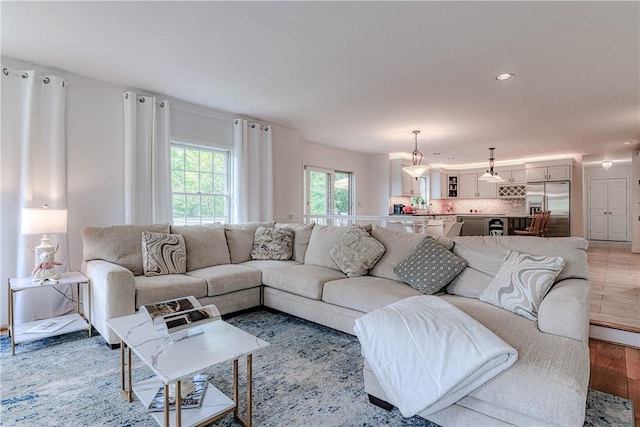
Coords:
552,196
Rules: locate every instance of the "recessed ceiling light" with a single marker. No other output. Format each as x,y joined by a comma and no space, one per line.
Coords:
505,76
436,154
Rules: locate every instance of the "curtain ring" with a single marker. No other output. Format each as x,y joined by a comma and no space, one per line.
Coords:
5,71
235,123
25,75
266,129
141,100
126,96
162,105
46,80
253,125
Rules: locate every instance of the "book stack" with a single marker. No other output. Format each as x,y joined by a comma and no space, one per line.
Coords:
181,318
191,400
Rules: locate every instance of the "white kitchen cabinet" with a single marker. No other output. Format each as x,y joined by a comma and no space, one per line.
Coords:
470,187
512,175
401,183
548,173
438,184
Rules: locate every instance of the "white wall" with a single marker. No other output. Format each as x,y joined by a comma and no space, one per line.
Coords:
635,201
596,171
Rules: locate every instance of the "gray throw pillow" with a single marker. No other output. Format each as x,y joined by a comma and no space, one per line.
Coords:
356,252
430,267
273,243
522,282
163,253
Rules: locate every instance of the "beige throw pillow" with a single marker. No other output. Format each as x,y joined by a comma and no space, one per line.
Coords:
356,252
273,243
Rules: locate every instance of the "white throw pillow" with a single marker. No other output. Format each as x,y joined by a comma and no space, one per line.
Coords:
522,282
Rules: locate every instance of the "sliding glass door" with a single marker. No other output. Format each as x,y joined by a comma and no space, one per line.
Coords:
328,192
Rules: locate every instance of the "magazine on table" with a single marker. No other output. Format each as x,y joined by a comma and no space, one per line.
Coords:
192,400
49,326
181,317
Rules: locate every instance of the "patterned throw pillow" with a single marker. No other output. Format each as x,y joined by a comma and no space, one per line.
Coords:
163,253
430,267
273,243
356,252
522,282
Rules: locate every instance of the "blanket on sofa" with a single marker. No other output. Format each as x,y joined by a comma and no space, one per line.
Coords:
428,354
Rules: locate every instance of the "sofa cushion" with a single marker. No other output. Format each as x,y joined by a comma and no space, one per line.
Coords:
163,253
469,283
323,239
240,239
356,252
486,253
275,243
300,240
521,283
222,279
366,293
162,288
264,264
119,244
398,246
555,364
206,245
304,280
430,267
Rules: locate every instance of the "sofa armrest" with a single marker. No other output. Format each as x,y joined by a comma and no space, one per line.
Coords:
565,310
113,295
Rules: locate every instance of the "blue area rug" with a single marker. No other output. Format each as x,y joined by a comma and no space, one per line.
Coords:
309,376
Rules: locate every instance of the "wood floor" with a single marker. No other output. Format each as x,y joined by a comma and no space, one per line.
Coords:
615,285
615,369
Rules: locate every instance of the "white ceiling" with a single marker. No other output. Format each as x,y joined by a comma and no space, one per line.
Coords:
363,75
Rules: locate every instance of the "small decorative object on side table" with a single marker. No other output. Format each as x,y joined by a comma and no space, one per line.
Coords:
53,326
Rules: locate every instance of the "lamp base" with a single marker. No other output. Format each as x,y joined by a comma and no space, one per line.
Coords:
44,261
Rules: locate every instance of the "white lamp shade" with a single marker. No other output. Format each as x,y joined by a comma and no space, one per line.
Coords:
486,177
497,178
416,171
44,221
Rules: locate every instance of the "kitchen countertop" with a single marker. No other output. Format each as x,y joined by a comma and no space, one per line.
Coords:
481,215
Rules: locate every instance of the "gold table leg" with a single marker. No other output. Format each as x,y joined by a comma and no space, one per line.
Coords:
126,390
247,422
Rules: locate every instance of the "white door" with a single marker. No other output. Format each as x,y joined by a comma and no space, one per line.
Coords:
608,209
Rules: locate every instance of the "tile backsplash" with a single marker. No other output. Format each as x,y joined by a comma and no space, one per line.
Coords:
484,206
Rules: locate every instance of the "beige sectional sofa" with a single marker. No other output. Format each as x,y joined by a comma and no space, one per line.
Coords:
546,386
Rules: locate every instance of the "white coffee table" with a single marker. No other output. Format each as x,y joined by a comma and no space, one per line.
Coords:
173,362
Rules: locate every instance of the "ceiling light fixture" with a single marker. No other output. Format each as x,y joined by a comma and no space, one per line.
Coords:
505,76
607,164
628,142
490,175
416,170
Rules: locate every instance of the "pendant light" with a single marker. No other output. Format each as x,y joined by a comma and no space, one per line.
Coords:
490,175
416,170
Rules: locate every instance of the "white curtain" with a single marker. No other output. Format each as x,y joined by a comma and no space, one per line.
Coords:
33,163
253,172
147,160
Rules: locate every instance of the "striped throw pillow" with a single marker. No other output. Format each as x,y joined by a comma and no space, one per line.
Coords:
163,253
522,282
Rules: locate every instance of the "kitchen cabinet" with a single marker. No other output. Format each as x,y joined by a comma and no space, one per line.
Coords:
473,225
469,187
452,186
438,184
548,173
401,183
512,175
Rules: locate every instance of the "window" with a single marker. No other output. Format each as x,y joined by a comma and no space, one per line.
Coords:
328,192
200,182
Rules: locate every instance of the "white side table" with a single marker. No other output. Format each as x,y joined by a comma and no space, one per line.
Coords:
52,326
